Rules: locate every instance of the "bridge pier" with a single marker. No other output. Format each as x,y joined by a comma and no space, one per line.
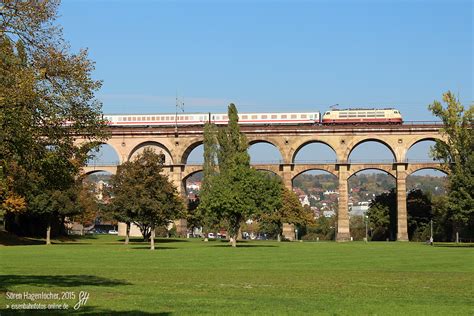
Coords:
343,232
402,219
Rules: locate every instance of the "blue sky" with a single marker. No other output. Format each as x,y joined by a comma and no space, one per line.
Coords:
274,55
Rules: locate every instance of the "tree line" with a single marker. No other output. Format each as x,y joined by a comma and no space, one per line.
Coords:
46,101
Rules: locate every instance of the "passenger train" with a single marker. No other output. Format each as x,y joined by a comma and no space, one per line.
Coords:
332,117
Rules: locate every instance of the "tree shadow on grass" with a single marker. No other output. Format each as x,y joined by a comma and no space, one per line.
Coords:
245,246
454,245
7,281
83,310
9,239
158,240
157,247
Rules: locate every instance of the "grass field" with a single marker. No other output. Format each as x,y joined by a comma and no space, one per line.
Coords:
195,277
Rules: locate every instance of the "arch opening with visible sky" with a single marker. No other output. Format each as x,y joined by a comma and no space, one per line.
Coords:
264,153
103,155
371,151
315,152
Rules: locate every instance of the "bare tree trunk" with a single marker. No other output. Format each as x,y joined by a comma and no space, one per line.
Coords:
127,233
279,237
48,231
152,238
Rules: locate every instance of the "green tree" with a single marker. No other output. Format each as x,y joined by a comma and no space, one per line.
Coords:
382,216
88,206
291,211
419,211
323,228
46,101
457,153
357,227
55,204
233,191
145,196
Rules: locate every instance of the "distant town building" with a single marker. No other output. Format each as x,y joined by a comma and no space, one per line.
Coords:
359,209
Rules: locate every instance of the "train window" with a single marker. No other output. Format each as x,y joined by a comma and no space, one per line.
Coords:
264,117
143,118
370,114
293,116
284,116
343,115
254,117
352,114
361,114
225,117
380,114
244,117
303,116
274,116
327,113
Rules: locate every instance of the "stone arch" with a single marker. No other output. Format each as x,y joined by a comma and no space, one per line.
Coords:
269,142
299,171
88,173
186,177
187,151
88,170
308,142
354,144
358,168
414,168
267,169
115,150
422,139
415,141
168,156
189,171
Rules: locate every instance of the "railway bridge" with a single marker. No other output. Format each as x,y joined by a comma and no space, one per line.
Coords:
177,143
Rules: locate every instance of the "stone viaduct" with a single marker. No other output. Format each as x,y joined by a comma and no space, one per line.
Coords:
177,144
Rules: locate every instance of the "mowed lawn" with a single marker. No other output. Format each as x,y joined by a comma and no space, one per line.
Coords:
185,276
